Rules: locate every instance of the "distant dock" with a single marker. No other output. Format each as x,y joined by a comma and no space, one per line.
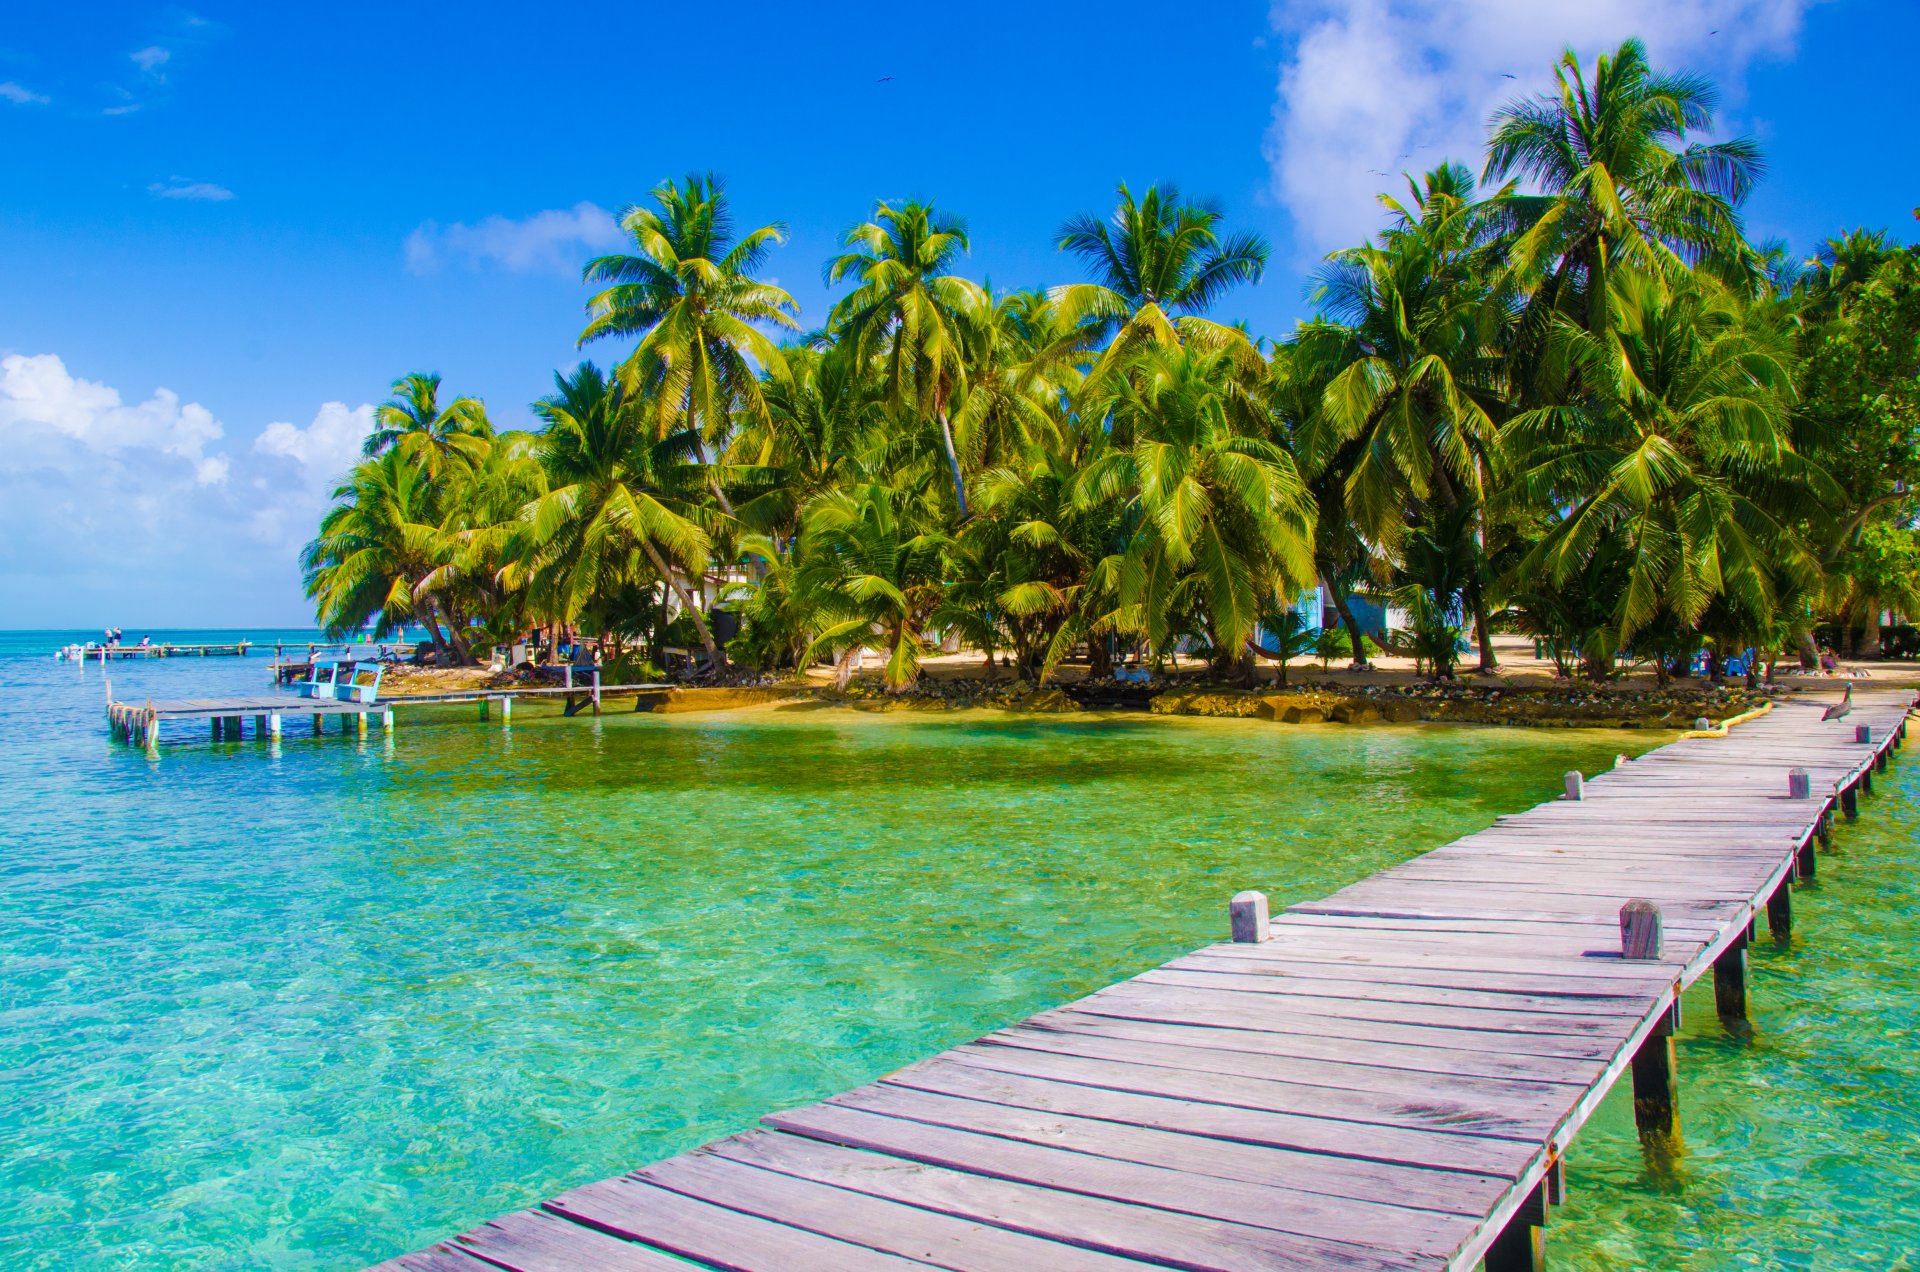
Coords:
105,653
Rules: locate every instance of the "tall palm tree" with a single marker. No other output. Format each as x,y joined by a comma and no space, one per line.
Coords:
1839,265
1410,411
907,311
688,291
875,571
620,502
414,422
1620,182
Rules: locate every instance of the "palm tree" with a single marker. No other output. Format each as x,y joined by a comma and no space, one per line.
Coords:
375,547
414,422
620,502
1410,411
688,292
1222,523
908,312
1840,265
1679,451
1163,251
1620,182
875,572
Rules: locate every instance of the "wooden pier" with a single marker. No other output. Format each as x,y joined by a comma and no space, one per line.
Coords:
1386,1078
104,653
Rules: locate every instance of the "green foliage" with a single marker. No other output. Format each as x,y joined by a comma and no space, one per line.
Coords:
1581,400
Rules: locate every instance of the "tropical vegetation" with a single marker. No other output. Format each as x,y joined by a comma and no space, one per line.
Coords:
1567,396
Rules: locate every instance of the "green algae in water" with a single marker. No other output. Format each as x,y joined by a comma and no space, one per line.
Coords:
1800,1141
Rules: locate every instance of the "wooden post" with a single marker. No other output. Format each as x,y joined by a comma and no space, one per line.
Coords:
259,726
360,723
1730,982
1850,802
1866,780
386,720
1701,724
1521,1245
1576,785
1247,916
1640,938
506,710
273,724
152,736
1656,1103
1799,784
1863,734
319,724
1882,758
484,712
1808,867
1823,829
1780,913
214,729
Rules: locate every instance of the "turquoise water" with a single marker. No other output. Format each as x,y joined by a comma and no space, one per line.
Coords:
312,1006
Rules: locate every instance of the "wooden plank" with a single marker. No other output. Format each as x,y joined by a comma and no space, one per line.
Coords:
909,1231
1129,1231
534,1241
1454,1192
712,1233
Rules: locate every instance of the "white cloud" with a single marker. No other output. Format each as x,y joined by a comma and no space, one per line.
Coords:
555,241
1372,88
324,449
47,417
183,188
151,58
21,95
128,511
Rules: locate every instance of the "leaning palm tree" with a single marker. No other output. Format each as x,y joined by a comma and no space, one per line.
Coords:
688,292
414,422
909,313
620,503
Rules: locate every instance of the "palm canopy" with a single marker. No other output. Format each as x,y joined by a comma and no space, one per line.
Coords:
875,567
1222,522
621,503
688,292
376,544
1680,451
908,312
1161,250
1619,180
413,422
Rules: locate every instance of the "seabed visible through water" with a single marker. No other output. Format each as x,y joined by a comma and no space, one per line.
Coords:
313,1008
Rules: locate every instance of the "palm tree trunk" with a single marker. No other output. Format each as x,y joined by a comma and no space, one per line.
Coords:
715,654
1870,637
953,461
1357,637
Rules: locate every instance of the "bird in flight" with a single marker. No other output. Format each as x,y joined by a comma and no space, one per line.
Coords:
1504,75
884,79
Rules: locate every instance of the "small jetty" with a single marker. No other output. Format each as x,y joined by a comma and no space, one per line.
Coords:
1383,1079
107,653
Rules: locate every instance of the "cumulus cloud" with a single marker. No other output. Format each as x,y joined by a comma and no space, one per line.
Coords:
123,506
1373,88
184,188
554,241
21,95
50,418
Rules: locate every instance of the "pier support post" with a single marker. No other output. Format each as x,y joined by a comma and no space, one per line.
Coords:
1823,829
1780,913
1656,1090
259,726
214,729
1850,803
273,724
1247,915
484,712
319,725
1730,984
1522,1245
386,719
1804,854
1882,758
1866,780
506,710
360,723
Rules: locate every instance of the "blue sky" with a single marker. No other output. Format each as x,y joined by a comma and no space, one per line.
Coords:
225,229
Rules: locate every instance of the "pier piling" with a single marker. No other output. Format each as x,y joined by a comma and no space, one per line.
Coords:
1730,983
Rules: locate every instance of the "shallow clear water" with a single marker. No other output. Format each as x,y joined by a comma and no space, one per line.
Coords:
312,1007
